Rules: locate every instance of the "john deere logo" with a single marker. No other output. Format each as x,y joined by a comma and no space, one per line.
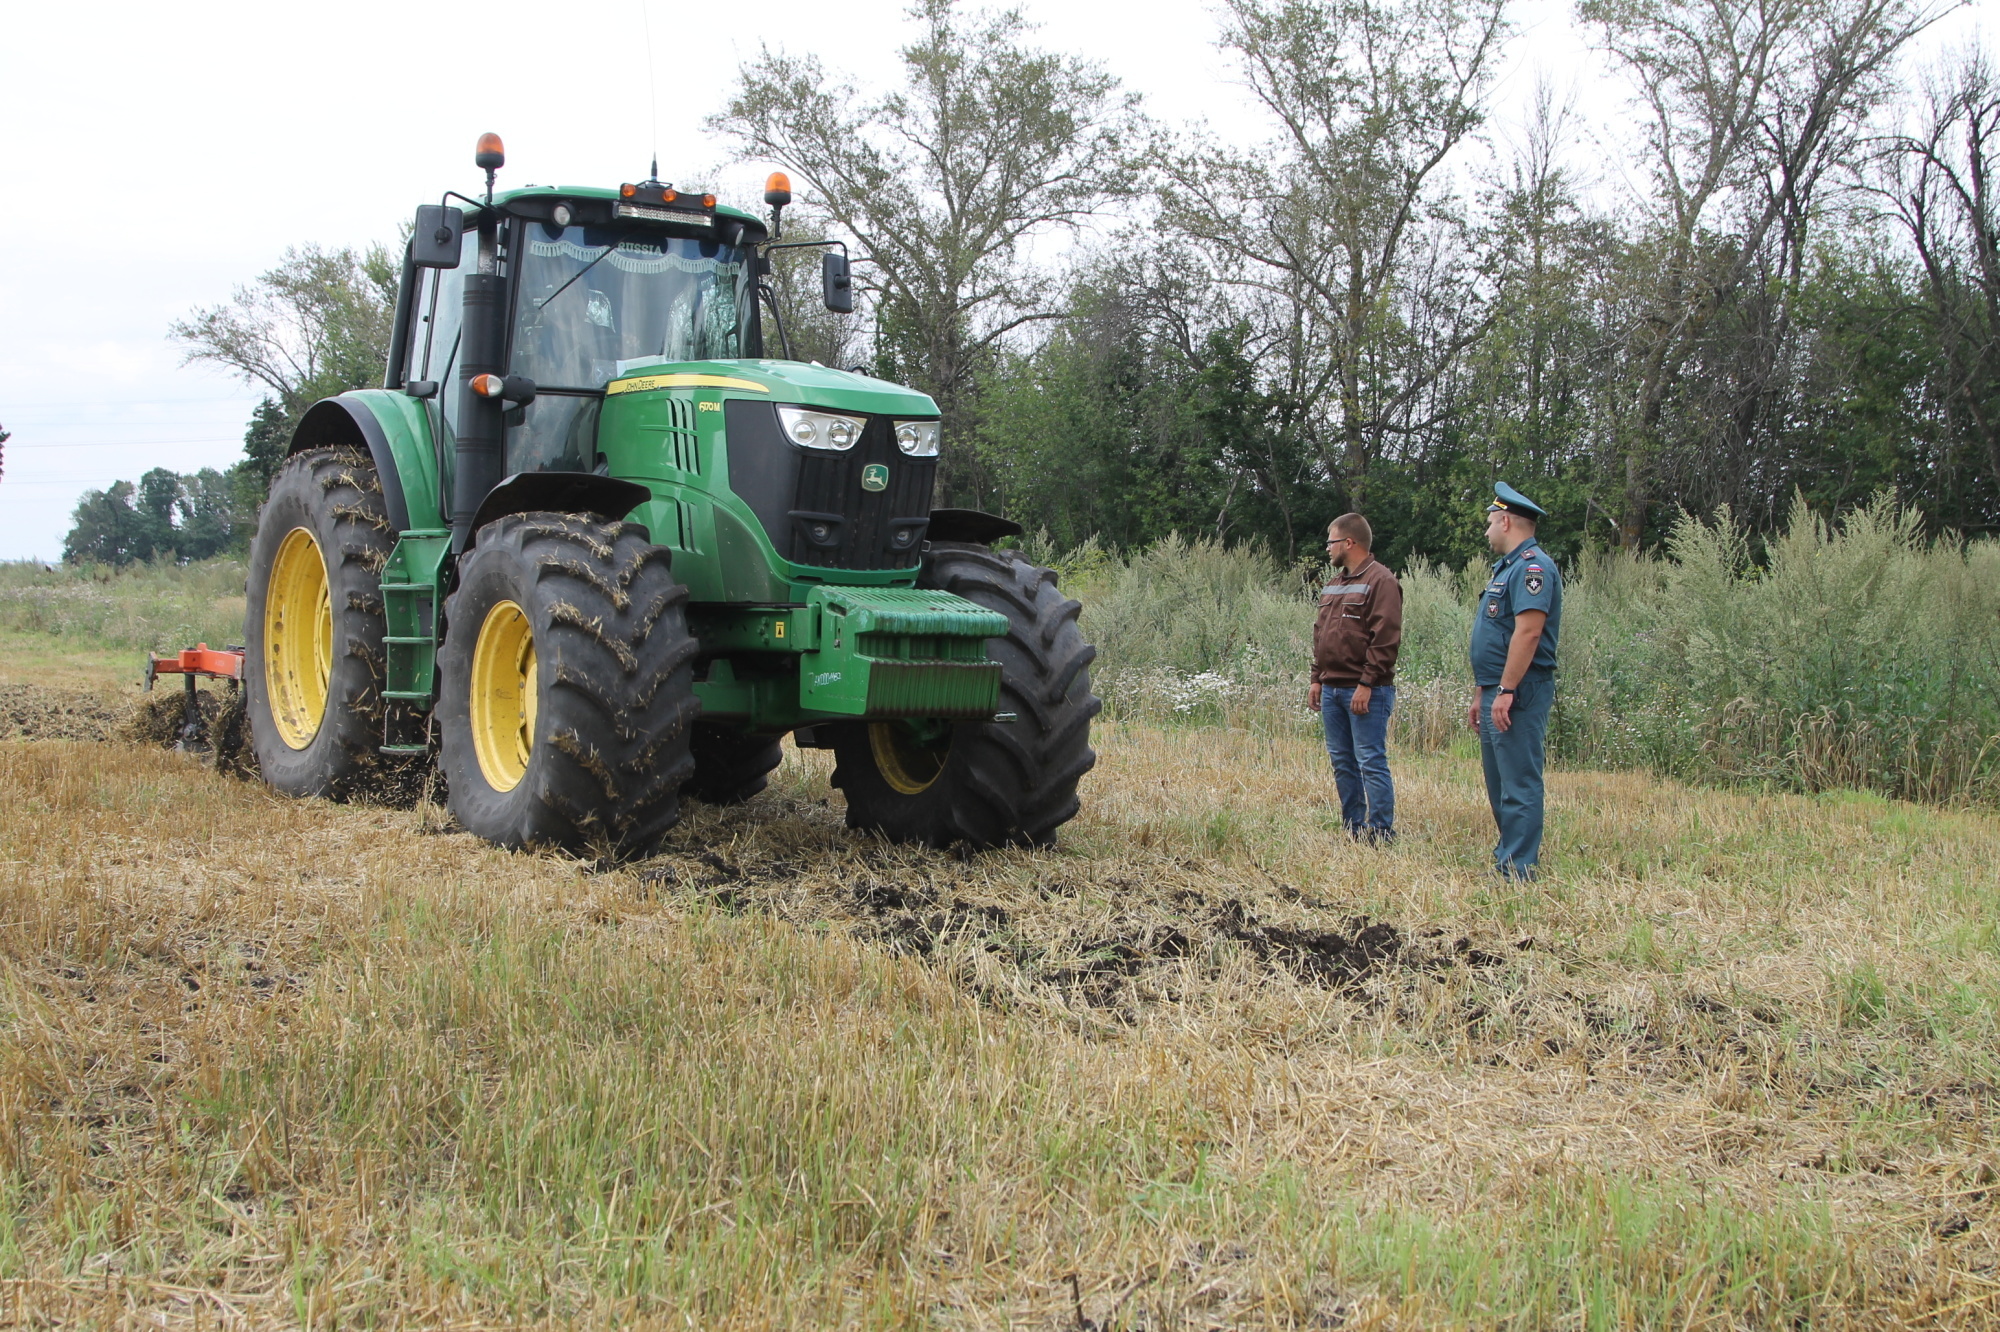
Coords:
874,477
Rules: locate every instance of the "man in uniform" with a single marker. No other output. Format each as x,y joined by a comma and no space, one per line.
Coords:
1513,674
1355,641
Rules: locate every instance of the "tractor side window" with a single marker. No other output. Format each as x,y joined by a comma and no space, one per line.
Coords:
423,294
557,433
448,313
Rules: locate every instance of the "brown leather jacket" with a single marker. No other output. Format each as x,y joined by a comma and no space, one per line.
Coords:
1359,629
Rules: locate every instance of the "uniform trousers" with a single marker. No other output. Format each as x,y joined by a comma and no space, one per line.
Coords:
1359,750
1513,762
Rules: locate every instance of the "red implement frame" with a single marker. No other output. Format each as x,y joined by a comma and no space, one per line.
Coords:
225,664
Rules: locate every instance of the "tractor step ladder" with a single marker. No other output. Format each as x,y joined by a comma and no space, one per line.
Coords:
410,615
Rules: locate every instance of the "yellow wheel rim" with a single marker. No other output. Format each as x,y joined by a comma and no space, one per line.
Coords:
298,638
503,696
907,766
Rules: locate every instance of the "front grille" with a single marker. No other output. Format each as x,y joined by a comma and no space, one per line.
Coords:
812,502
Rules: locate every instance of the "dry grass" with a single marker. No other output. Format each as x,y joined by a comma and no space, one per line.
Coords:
269,1062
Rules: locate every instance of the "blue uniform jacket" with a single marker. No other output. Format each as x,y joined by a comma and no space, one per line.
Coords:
1524,580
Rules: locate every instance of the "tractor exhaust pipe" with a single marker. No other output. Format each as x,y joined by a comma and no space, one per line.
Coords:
480,450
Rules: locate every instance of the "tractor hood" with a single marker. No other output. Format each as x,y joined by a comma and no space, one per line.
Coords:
793,382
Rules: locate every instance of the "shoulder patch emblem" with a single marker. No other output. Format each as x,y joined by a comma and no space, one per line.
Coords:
1533,582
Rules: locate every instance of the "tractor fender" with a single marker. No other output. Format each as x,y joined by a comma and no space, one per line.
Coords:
561,492
982,529
396,431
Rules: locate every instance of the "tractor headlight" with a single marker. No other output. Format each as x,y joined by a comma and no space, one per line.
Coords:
820,430
919,439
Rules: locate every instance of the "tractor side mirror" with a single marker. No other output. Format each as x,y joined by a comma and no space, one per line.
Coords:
837,281
435,242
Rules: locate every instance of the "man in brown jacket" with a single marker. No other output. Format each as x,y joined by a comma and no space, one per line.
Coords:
1355,638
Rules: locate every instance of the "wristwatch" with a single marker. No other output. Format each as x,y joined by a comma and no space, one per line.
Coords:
1504,690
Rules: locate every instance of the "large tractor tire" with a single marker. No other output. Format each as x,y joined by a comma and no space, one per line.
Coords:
567,698
731,766
985,784
313,630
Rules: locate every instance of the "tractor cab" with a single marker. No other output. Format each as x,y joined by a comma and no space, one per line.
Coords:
592,283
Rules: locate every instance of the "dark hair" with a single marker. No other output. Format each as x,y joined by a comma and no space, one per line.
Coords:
1354,527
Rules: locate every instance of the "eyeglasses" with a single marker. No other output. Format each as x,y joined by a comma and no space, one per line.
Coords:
1339,541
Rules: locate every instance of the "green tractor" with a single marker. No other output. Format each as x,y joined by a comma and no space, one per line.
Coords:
592,550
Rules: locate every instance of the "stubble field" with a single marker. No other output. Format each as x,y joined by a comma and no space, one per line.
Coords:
270,1062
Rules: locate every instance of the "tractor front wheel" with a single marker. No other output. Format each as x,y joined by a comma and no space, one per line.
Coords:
567,697
984,783
313,628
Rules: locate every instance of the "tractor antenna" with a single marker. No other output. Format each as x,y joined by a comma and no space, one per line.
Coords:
652,87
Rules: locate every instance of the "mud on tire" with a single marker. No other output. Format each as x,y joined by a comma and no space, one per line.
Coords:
999,784
730,765
595,747
334,499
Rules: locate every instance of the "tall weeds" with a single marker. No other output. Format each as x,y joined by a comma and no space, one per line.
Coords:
1857,654
144,606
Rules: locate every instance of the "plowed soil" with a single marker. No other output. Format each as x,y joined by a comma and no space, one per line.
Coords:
46,712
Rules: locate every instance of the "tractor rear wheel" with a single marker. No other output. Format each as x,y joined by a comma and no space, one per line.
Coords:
313,627
567,698
730,766
985,783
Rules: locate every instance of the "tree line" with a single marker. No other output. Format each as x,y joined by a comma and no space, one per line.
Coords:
314,326
1793,290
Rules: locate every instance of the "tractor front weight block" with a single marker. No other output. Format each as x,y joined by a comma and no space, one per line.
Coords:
899,652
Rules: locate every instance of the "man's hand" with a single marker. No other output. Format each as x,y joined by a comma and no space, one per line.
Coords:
1472,712
1312,696
1358,705
1503,712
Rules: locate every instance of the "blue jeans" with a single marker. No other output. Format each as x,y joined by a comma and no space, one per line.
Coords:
1359,749
1513,762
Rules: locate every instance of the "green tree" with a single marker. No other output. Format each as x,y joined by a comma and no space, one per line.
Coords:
944,185
1527,388
156,501
265,440
1341,229
190,517
1097,430
106,529
212,518
316,325
1938,182
1749,106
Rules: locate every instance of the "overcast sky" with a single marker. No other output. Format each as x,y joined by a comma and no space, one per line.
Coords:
155,156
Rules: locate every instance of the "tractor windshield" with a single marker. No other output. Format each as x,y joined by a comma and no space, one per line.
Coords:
594,301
